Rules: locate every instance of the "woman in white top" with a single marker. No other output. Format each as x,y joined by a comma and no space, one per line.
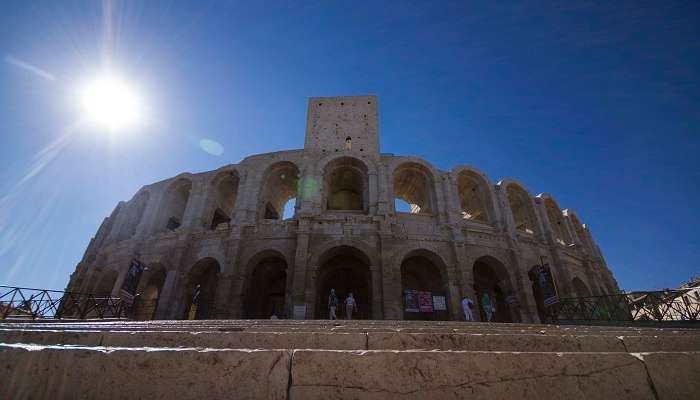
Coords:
350,306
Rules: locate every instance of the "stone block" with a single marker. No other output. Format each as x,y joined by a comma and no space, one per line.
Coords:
668,342
475,375
674,375
55,372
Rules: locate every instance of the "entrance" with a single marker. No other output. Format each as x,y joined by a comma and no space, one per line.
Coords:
201,289
346,270
419,275
266,290
491,278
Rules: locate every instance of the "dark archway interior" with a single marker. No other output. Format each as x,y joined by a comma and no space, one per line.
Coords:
149,291
486,280
419,273
346,273
266,291
205,275
580,288
345,185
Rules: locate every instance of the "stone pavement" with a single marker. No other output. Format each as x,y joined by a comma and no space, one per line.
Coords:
251,359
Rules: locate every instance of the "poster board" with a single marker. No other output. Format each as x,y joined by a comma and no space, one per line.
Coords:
299,311
425,302
545,281
439,303
411,301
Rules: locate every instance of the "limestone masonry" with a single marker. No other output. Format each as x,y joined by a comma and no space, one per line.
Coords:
217,244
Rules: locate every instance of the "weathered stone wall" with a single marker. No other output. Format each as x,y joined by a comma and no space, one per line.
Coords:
230,220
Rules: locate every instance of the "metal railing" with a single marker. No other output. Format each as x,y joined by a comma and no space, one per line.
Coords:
656,306
29,303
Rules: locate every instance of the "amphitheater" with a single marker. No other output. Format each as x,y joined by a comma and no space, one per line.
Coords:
226,231
208,258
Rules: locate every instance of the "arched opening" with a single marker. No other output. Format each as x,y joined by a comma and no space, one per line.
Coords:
134,215
280,185
200,290
174,205
345,269
225,195
267,288
106,283
522,209
556,221
474,197
424,288
492,289
150,287
414,185
580,288
346,185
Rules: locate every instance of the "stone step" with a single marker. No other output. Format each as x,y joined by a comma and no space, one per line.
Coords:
349,326
34,371
358,340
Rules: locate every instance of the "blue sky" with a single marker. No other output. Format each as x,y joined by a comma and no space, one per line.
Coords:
597,104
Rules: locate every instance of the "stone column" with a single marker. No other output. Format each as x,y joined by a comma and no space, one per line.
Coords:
376,292
165,298
300,295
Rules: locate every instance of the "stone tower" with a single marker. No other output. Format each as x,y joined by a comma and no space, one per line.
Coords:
342,124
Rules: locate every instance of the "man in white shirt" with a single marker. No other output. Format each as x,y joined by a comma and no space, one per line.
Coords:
467,306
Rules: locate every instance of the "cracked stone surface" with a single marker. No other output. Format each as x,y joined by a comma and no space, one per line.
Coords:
39,372
452,375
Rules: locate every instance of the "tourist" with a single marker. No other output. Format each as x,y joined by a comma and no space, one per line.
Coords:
486,306
350,306
467,306
332,304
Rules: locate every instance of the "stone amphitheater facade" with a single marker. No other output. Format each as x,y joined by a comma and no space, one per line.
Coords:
223,233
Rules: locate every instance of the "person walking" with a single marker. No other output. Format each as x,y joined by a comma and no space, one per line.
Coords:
332,304
467,306
487,306
350,306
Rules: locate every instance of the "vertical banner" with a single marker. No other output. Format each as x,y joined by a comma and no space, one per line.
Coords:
546,283
131,281
439,303
411,297
425,302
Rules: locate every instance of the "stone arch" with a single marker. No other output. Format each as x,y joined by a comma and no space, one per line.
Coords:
555,217
521,207
173,205
223,193
280,183
492,285
414,183
346,185
424,271
266,285
580,288
475,195
369,253
149,291
134,214
200,289
345,269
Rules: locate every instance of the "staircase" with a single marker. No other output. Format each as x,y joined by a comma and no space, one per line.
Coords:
261,359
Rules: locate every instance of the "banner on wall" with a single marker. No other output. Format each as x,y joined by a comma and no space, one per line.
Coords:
439,303
545,281
411,300
425,302
131,281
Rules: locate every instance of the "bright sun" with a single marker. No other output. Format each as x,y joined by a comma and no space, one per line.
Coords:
111,103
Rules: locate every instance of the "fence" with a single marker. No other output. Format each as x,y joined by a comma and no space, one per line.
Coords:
28,303
658,306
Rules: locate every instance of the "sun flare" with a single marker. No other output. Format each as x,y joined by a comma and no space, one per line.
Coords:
109,102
